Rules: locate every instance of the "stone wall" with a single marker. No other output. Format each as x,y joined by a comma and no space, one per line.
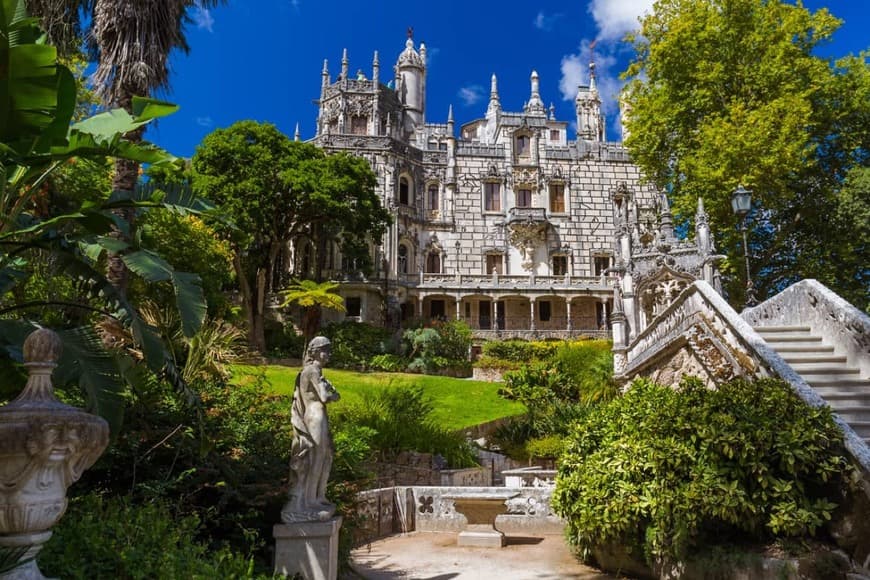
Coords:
402,509
413,468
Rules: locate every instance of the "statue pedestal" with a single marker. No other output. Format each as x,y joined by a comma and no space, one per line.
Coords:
309,549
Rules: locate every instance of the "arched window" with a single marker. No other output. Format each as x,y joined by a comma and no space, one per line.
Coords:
433,263
522,145
404,191
403,259
432,196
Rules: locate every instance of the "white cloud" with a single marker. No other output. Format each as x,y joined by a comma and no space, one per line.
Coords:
470,95
615,19
203,19
432,53
546,22
204,121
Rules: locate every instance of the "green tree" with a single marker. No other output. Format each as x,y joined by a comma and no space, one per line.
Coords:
272,190
728,92
313,297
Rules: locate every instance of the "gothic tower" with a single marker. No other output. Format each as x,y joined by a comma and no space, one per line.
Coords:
411,82
590,120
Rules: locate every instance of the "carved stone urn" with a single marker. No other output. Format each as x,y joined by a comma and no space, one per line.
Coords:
45,446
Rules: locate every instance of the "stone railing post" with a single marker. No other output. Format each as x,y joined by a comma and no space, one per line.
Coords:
45,446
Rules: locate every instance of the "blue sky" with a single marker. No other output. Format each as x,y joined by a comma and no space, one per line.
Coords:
261,59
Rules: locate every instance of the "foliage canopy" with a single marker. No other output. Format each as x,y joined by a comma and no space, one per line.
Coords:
728,92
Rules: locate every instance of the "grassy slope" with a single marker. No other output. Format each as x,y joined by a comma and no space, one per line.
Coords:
458,402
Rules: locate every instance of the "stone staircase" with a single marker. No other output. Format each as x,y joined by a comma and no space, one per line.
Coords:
830,374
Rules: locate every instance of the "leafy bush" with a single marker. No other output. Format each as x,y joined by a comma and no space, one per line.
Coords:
355,343
443,345
113,538
519,351
548,447
391,363
556,391
668,470
400,418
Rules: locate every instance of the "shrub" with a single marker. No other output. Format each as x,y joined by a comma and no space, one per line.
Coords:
112,538
548,447
670,470
355,343
391,363
400,418
441,346
519,351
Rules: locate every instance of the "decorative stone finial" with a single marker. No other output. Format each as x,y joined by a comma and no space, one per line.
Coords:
42,347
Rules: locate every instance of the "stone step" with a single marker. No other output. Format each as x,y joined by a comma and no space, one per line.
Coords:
825,369
853,414
837,399
801,347
812,358
779,329
785,339
838,383
861,428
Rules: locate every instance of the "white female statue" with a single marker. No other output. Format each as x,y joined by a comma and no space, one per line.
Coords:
312,450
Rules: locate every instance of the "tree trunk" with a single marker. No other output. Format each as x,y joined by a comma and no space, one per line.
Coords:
247,300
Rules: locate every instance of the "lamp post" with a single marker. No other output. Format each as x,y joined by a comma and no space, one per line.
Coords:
741,204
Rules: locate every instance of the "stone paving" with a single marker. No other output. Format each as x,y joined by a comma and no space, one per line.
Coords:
435,556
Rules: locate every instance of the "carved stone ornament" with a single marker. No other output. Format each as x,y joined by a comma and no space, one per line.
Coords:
526,236
46,446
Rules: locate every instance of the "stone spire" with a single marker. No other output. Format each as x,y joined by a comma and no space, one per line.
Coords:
324,74
552,112
590,120
450,122
297,136
535,105
494,102
666,219
345,64
376,69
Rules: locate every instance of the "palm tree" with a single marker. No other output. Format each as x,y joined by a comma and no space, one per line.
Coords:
132,40
313,297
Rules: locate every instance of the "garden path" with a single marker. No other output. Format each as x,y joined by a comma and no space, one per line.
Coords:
435,556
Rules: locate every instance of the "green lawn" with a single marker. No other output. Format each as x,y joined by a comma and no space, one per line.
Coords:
458,403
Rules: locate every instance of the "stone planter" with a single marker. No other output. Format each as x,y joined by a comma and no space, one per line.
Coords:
45,446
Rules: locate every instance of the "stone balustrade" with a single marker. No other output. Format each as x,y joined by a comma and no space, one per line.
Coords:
392,510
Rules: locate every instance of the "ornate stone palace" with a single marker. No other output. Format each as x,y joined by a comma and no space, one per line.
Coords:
506,224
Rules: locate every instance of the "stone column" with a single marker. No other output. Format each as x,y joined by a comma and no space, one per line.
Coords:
420,307
570,324
307,549
458,304
532,314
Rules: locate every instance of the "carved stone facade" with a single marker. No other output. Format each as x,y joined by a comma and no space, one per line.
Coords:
502,222
654,268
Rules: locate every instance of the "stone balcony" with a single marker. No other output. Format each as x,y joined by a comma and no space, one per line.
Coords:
521,283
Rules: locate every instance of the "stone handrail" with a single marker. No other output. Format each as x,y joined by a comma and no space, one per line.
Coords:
749,354
810,303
